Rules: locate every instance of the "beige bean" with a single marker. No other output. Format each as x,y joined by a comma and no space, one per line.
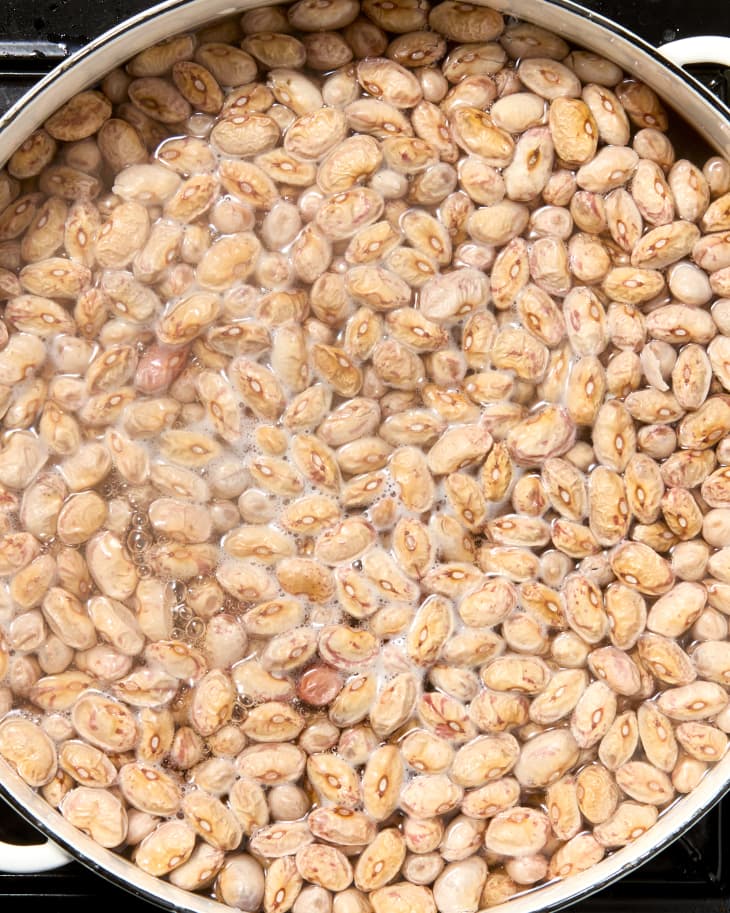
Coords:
696,701
542,602
563,808
200,869
615,668
80,117
593,714
686,600
612,167
648,573
211,820
629,821
342,826
149,688
587,388
166,848
280,839
492,798
610,115
485,759
87,765
458,448
116,624
248,802
149,790
156,734
334,779
715,217
381,783
702,741
426,752
157,59
710,659
97,812
528,172
574,130
422,869
28,749
67,619
687,773
402,897
105,723
645,783
666,660
110,566
657,737
518,112
523,39
325,866
548,432
81,516
271,764
427,795
559,697
460,885
546,757
578,854
548,78
518,831
32,156
176,658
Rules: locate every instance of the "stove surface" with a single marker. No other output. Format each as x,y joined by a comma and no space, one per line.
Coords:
690,876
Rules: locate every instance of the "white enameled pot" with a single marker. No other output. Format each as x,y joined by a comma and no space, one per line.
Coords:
659,69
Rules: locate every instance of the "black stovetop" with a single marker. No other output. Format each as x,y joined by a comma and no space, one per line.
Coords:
692,875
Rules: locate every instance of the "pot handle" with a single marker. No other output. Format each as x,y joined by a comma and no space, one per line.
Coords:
698,49
39,857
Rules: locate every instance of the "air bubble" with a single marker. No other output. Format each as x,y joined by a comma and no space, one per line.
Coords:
195,628
137,542
178,590
182,614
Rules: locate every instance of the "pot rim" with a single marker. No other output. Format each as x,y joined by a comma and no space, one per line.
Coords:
632,51
585,28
